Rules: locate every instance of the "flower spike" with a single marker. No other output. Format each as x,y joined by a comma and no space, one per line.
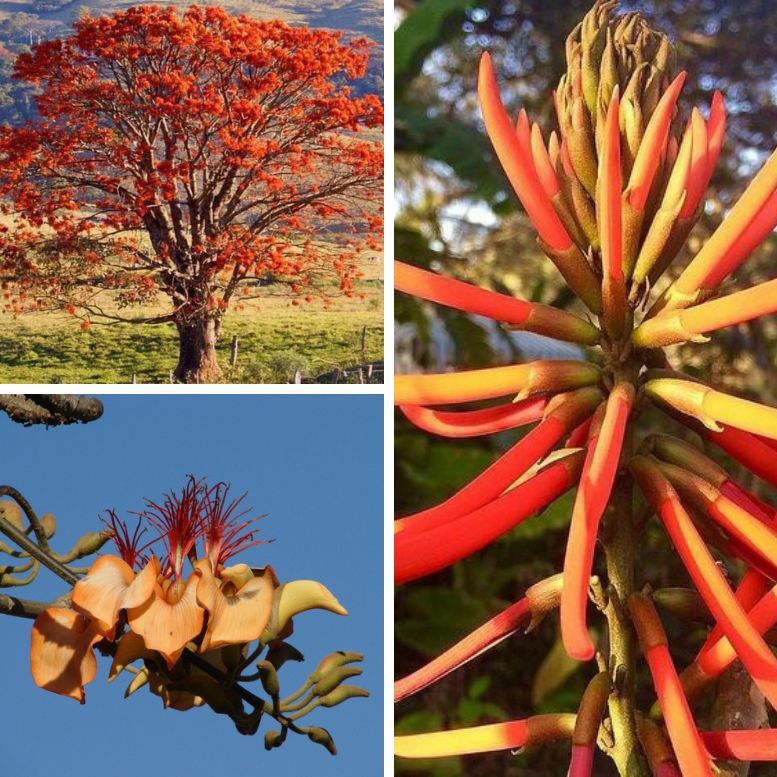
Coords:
520,314
523,379
601,463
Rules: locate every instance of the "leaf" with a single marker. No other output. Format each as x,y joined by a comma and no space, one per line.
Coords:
425,28
436,617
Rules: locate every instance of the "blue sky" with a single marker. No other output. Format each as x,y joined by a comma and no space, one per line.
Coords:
315,464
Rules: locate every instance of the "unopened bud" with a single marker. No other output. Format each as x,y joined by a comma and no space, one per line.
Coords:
90,543
332,661
273,739
12,513
138,681
49,524
269,678
322,737
341,694
333,678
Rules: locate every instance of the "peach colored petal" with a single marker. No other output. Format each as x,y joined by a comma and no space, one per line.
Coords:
99,594
166,627
234,619
61,655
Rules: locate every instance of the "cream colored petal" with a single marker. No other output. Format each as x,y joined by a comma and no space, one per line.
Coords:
233,619
296,597
99,594
61,655
167,627
130,648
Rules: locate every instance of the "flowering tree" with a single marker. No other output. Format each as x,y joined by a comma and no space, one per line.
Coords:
192,637
613,196
198,155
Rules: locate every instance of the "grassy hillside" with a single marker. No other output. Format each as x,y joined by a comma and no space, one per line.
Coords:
275,339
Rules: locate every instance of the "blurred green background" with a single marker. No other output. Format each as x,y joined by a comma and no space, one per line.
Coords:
456,214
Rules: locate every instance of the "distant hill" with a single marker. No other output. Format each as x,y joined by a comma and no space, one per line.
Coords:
23,23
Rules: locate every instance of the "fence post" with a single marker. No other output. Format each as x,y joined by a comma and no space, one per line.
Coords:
364,344
233,353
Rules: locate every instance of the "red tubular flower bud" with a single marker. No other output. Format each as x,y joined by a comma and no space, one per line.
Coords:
476,423
716,131
748,449
524,379
530,316
562,415
601,463
742,745
659,752
687,743
721,254
609,218
539,599
417,554
653,142
519,170
709,580
697,181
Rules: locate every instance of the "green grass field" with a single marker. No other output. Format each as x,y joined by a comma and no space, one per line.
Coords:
275,339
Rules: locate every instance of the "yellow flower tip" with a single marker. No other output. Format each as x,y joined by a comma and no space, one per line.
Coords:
299,596
664,330
61,657
683,395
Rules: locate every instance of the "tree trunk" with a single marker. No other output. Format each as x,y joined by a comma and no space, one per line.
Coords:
197,360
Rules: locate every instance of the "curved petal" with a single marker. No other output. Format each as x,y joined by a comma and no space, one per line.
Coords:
233,619
99,594
166,627
128,649
61,656
295,597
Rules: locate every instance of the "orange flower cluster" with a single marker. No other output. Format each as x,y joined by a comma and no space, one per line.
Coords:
613,196
141,607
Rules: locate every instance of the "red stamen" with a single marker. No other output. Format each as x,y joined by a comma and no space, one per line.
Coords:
126,543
